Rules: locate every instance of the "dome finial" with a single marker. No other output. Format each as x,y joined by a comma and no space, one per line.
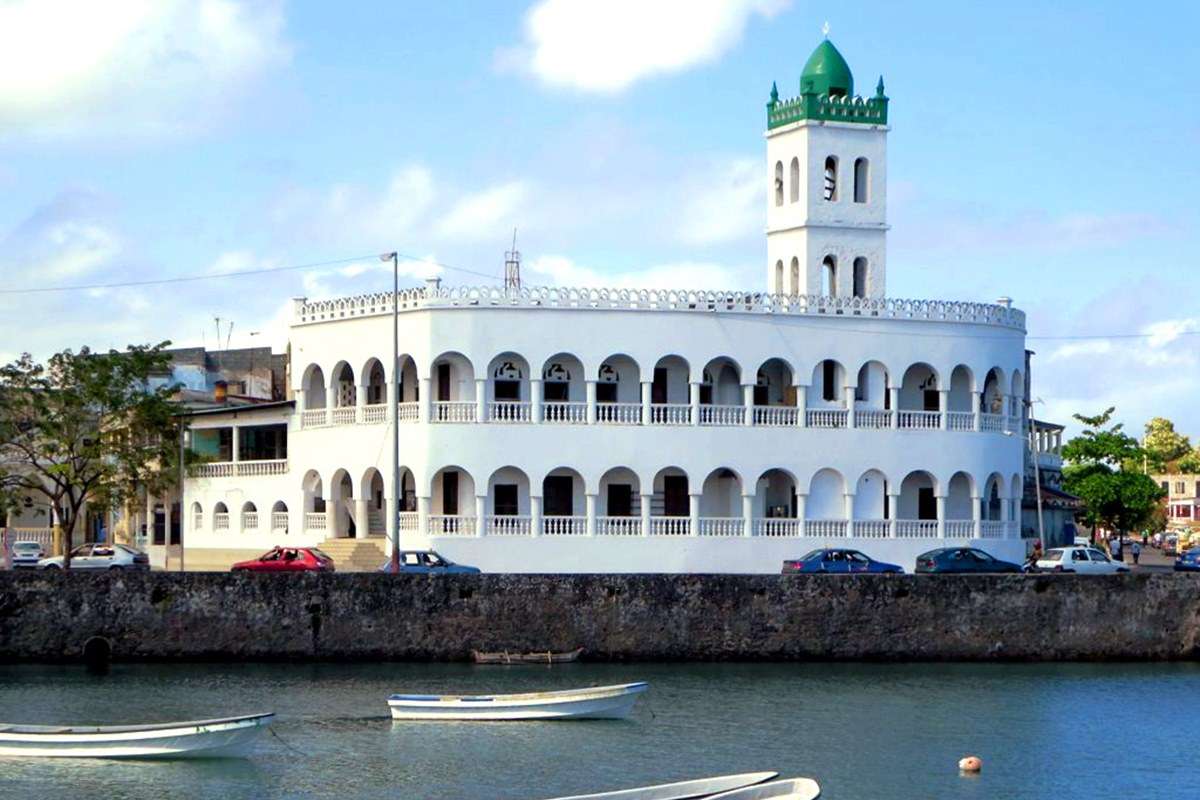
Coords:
825,29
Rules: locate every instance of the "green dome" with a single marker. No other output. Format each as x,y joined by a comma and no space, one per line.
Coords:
826,72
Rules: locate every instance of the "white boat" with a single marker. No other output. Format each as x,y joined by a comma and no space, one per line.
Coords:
596,702
684,790
790,789
208,738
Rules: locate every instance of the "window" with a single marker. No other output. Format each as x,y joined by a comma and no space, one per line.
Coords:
926,503
262,442
675,496
450,493
860,277
831,193
556,391
1179,487
861,179
557,495
606,392
795,287
214,443
443,382
795,179
864,376
778,183
507,390
779,277
658,389
620,500
504,500
931,400
829,276
829,380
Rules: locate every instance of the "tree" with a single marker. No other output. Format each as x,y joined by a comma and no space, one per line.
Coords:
1113,495
1189,464
1164,446
86,428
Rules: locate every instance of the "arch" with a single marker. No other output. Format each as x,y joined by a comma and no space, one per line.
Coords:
828,378
962,388
774,383
563,491
826,495
1015,493
452,492
871,386
249,507
220,508
775,494
795,175
452,378
862,176
994,495
794,276
992,397
672,374
341,494
341,385
618,380
721,494
563,381
859,287
871,495
672,489
508,493
778,183
779,277
829,283
408,491
314,387
721,382
620,493
314,492
919,388
960,496
831,179
197,515
508,378
374,382
279,507
918,493
1016,395
410,383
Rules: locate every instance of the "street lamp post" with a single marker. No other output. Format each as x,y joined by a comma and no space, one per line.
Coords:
394,257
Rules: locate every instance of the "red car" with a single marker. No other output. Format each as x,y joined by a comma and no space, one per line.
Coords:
288,559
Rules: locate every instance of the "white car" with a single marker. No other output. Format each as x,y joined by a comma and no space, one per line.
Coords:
100,555
1082,560
27,554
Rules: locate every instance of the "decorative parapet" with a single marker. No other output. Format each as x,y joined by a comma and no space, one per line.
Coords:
868,111
379,303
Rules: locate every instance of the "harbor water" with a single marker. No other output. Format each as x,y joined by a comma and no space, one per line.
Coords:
864,731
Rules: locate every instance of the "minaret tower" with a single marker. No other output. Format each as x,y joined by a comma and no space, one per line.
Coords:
827,184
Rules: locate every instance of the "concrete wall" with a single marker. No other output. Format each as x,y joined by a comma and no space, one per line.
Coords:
189,616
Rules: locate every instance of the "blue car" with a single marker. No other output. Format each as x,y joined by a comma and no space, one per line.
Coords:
839,561
1188,561
427,562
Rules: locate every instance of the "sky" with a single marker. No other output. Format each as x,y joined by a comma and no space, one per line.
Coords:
1048,154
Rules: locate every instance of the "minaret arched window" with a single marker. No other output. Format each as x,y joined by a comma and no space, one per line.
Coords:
778,183
862,177
779,277
795,188
829,276
860,277
795,276
831,179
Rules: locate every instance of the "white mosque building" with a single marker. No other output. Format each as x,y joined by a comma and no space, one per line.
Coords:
590,430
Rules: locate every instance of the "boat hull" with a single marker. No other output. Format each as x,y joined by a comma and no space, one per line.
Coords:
613,702
229,738
682,790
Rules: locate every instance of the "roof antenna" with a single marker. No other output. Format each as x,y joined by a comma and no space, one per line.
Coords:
825,29
512,266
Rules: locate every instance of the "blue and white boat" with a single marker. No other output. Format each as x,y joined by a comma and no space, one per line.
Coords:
683,790
596,702
208,738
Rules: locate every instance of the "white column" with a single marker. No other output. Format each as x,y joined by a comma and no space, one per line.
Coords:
802,406
647,388
423,515
362,523
234,441
849,394
391,509
849,501
591,402
694,514
425,400
535,399
360,400
977,516
941,515
480,515
893,505
944,407
894,404
977,410
590,514
801,511
149,522
535,515
481,399
747,515
748,402
331,518
298,395
694,400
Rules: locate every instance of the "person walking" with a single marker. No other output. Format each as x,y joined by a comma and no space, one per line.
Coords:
1136,550
1114,547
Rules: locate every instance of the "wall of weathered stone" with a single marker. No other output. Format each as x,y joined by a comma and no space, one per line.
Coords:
49,617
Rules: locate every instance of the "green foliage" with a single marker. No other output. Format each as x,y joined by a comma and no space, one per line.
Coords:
86,427
1164,446
1113,496
1189,464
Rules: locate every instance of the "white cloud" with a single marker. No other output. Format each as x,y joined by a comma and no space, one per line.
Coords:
480,215
726,205
65,239
606,47
124,67
562,271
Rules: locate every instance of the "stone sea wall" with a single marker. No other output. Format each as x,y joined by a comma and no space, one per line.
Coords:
154,616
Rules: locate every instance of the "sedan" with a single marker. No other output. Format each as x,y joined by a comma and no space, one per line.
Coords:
287,559
962,560
1083,560
100,555
1188,561
27,554
427,562
839,562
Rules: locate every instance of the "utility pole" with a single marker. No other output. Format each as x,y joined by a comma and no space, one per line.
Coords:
512,266
394,257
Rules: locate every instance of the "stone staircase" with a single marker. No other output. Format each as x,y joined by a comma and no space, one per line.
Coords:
356,555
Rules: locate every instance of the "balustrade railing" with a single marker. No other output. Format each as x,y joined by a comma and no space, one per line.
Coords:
560,411
872,528
619,413
918,420
916,528
221,521
826,527
222,469
408,412
274,466
197,521
508,411
313,417
722,526
343,415
618,526
451,525
409,520
506,525
992,528
249,520
564,526
872,418
670,413
776,416
375,413
669,526
994,423
315,521
826,417
722,415
453,411
960,421
279,521
776,526
960,528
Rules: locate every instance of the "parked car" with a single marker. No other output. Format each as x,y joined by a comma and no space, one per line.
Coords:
1188,561
959,560
1083,560
287,559
422,562
100,555
1170,545
27,554
838,561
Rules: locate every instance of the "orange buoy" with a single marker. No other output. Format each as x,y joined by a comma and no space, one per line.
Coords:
970,764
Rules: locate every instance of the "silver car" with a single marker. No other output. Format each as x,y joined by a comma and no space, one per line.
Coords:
100,555
27,554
